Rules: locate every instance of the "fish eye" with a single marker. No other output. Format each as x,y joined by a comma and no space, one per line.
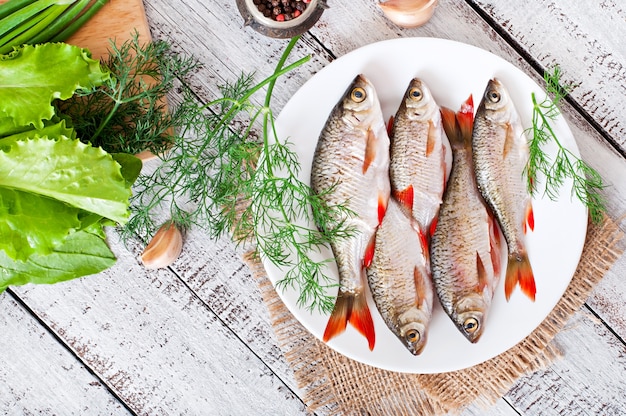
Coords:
470,325
415,94
412,336
358,95
493,96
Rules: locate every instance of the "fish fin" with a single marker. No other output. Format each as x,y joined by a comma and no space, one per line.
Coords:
481,273
432,138
450,125
519,270
361,319
368,256
530,217
495,244
370,150
424,243
509,141
420,287
465,119
405,197
390,126
339,317
458,127
433,225
382,207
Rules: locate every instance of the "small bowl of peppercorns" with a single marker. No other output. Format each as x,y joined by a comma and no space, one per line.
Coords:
281,18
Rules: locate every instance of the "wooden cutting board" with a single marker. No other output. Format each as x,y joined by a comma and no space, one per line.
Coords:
117,20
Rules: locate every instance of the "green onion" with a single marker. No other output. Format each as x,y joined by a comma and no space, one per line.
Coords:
39,21
59,25
80,21
12,6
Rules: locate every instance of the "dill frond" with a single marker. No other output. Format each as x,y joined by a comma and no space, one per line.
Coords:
227,171
587,182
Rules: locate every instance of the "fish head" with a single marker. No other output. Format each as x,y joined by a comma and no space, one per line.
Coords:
359,104
496,102
419,103
469,316
412,329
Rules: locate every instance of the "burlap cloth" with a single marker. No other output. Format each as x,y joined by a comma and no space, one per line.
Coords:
334,384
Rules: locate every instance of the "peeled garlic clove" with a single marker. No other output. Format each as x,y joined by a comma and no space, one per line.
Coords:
408,13
164,248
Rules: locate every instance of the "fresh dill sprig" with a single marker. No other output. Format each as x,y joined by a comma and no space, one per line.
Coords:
587,182
129,113
228,172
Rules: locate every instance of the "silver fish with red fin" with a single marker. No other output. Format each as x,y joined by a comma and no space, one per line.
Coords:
399,278
500,151
352,157
466,247
417,166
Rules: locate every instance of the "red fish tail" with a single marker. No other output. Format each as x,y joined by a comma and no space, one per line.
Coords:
519,270
459,126
351,308
361,319
465,118
339,318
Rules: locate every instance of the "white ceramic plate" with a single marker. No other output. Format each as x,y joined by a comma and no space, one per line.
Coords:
452,71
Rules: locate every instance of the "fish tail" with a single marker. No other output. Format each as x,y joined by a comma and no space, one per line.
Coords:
351,308
519,270
465,118
458,126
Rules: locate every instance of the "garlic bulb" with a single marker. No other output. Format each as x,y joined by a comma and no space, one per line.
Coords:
408,13
164,248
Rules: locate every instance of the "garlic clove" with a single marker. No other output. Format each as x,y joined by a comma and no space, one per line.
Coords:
164,248
408,13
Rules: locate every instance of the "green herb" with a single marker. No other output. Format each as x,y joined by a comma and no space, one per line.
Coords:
587,182
56,193
39,21
129,113
222,175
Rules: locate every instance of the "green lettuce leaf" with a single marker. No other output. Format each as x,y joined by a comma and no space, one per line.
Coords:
67,170
83,253
31,77
131,166
32,224
50,129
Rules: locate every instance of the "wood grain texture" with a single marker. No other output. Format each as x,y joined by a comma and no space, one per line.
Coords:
35,365
196,338
594,56
158,346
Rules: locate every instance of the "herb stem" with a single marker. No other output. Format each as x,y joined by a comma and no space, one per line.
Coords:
587,182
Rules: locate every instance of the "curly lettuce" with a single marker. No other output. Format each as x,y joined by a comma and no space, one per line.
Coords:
56,193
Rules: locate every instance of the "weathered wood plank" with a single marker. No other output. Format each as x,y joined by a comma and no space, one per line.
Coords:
587,42
35,366
590,378
158,346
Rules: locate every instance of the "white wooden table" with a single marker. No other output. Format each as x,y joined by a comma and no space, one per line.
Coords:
196,338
